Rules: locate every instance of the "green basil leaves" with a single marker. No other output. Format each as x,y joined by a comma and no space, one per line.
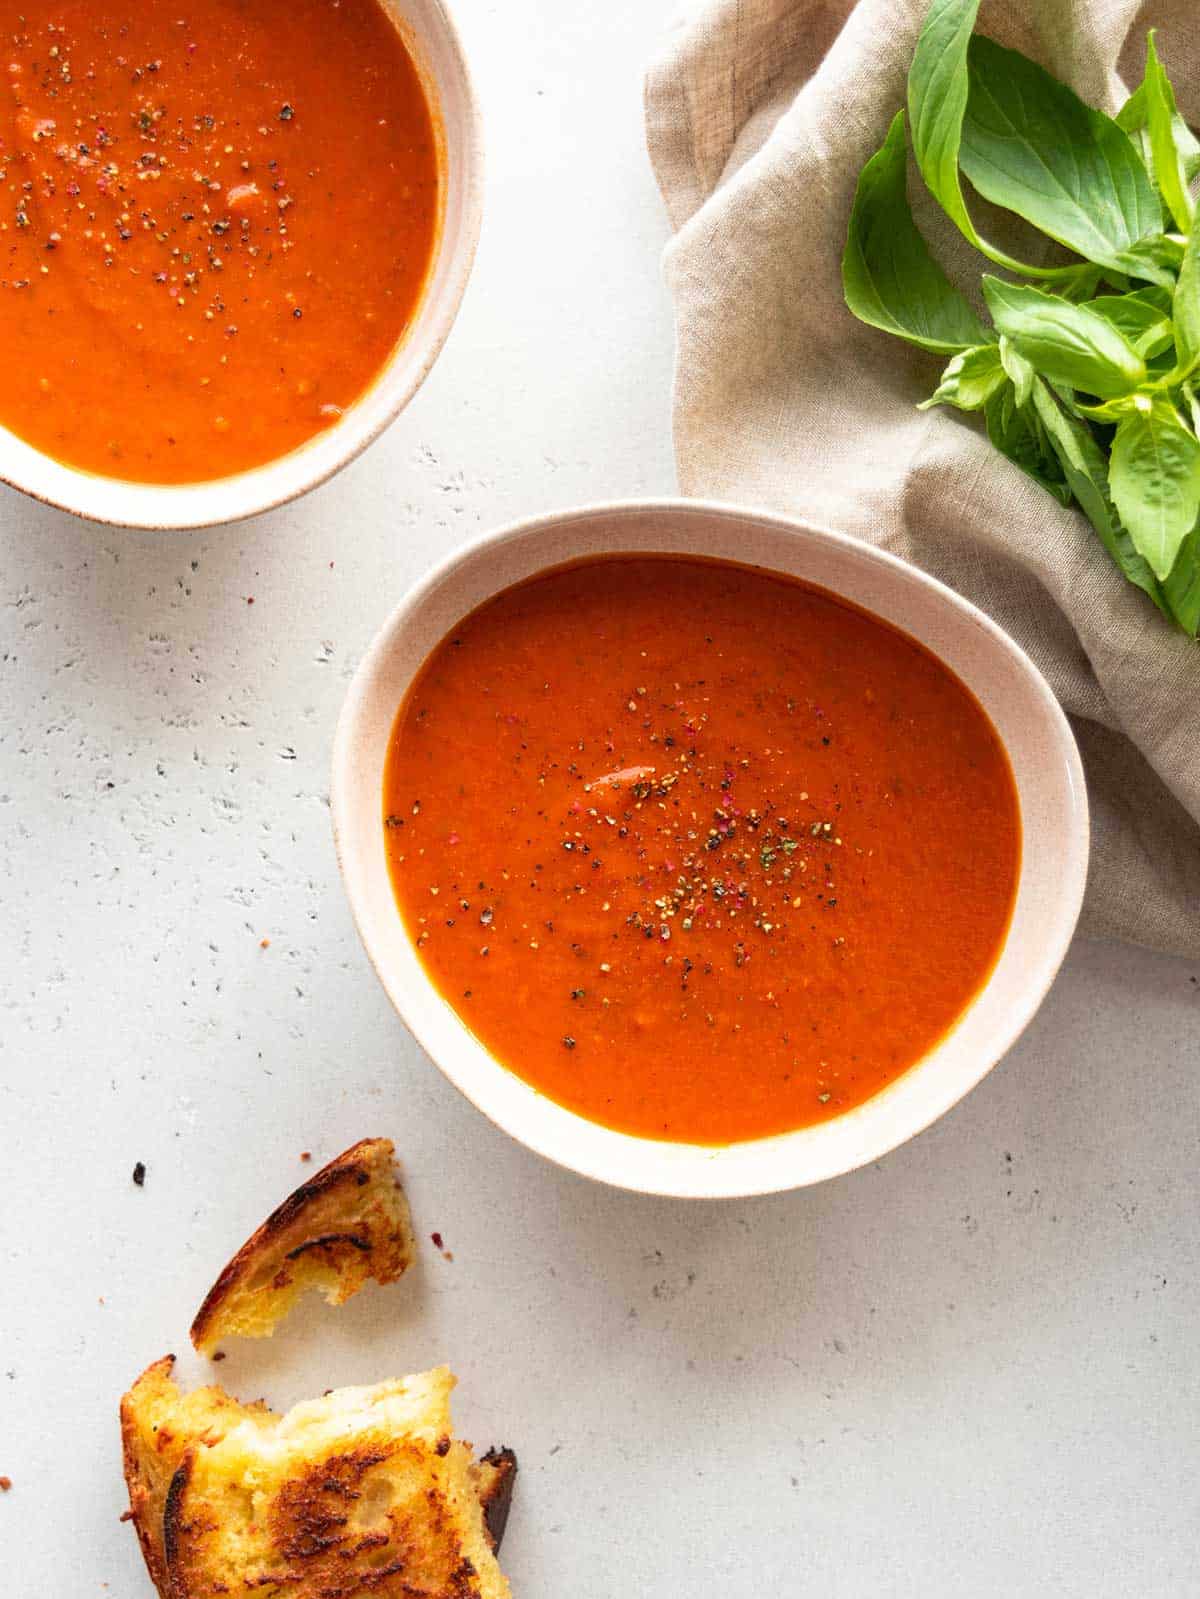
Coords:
1088,377
1031,145
888,275
970,380
1155,475
1067,343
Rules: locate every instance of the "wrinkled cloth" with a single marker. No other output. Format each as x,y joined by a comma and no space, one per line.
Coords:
760,115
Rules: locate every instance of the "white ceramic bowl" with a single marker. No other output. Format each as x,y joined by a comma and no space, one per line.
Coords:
434,44
1035,732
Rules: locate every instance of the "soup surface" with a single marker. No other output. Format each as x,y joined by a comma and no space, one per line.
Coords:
700,852
217,220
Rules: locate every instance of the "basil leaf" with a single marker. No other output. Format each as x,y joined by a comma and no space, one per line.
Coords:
970,380
1017,433
1134,119
1161,117
1186,309
1066,342
1112,411
1156,260
1182,587
1019,370
1030,144
1086,471
1155,479
937,104
889,278
1143,317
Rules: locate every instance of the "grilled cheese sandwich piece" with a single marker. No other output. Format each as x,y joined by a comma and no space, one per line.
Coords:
348,1223
159,1424
362,1493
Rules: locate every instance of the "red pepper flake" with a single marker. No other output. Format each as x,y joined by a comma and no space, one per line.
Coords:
249,599
306,1154
218,1354
436,1239
264,943
5,1484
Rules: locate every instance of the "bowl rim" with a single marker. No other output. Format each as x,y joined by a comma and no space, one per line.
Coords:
1043,970
241,496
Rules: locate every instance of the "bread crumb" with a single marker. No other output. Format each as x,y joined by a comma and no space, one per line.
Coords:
306,1154
264,943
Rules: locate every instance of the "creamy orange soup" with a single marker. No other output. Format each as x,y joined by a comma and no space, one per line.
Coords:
216,223
700,852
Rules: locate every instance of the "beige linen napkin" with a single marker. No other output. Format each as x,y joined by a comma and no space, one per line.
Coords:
760,115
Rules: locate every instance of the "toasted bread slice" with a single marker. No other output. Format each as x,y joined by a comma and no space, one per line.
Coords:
362,1493
347,1223
159,1424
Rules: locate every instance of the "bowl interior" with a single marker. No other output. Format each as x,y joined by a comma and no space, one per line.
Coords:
434,45
1037,737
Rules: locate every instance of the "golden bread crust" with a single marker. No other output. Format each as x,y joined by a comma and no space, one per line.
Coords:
347,1223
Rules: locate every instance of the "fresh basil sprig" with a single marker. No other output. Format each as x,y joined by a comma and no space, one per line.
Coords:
1088,377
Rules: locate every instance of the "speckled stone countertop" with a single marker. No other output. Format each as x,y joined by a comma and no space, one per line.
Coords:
968,1370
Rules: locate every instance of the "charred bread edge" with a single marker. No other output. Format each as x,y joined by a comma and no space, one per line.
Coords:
172,1526
152,1555
497,1502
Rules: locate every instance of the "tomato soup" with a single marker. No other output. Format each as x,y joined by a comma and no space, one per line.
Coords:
701,852
217,220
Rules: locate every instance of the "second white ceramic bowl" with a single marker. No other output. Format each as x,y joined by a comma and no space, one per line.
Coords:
1035,732
434,45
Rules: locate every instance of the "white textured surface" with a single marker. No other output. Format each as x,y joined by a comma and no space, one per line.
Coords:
970,1370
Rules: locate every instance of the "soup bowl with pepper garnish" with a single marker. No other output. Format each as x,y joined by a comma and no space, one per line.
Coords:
707,852
235,241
